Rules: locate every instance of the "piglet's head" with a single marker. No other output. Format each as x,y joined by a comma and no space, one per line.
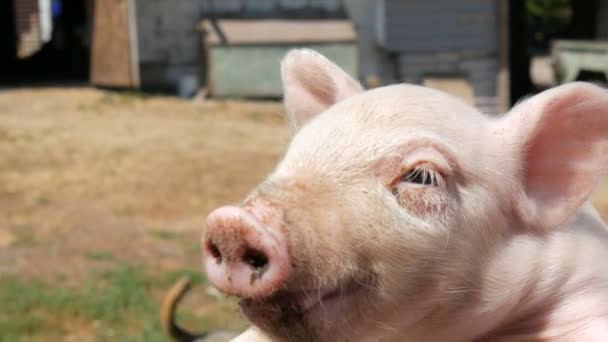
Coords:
389,203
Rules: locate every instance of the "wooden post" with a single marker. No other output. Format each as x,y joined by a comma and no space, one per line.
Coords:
114,61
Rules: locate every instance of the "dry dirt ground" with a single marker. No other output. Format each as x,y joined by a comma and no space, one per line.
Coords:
94,181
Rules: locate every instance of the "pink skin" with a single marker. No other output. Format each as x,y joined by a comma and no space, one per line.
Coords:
230,233
229,271
403,214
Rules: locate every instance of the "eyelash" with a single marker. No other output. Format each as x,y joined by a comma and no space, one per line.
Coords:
424,176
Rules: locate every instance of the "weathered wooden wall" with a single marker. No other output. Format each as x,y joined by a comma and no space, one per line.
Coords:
170,44
445,37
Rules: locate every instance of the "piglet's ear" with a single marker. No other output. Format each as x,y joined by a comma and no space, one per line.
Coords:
561,138
311,84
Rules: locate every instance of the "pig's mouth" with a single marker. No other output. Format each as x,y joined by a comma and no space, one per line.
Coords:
301,305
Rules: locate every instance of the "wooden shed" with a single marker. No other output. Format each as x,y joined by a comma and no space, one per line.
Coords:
243,56
156,44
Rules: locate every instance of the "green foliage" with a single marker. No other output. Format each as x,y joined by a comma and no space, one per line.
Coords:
549,16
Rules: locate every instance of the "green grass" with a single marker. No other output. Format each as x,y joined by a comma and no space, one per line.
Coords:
100,255
193,247
256,116
163,234
116,304
42,200
24,234
196,277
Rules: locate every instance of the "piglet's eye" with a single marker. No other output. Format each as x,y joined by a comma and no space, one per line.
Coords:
422,175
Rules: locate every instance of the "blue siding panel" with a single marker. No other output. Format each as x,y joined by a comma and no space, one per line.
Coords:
439,25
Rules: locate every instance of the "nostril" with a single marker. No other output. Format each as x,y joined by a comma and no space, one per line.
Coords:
214,251
246,253
255,258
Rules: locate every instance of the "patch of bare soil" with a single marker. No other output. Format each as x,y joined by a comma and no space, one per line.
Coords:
88,175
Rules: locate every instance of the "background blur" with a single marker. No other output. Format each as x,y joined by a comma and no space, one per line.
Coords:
124,122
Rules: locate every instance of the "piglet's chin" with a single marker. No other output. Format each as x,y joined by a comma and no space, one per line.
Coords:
312,309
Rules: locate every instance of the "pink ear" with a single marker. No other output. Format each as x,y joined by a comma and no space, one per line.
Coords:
562,136
312,84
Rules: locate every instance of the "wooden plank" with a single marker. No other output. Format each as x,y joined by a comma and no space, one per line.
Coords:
113,57
278,31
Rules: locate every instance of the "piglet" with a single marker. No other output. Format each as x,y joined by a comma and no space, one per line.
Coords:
403,214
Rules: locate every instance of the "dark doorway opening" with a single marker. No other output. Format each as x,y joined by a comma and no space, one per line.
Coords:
63,59
534,24
593,77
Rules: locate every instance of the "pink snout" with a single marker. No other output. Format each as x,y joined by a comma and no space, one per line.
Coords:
242,256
